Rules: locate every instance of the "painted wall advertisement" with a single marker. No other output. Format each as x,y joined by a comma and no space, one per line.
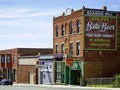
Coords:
100,30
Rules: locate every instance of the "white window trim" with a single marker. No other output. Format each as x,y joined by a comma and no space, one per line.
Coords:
77,41
71,41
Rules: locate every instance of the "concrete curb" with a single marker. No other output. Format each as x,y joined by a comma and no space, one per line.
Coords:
67,86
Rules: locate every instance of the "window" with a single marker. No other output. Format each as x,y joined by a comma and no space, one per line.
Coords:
44,76
14,59
58,71
71,28
78,26
60,67
2,59
9,73
78,48
57,31
14,74
62,48
50,66
8,59
56,49
71,48
62,30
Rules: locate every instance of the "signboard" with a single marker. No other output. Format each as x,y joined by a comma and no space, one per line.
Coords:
100,30
93,12
69,62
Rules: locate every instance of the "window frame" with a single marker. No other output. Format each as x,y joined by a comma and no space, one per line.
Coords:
56,48
57,31
77,48
62,48
71,28
14,59
62,30
71,48
8,58
78,26
2,60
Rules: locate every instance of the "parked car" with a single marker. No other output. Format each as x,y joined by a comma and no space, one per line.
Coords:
6,82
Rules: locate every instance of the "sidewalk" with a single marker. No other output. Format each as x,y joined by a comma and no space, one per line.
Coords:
67,86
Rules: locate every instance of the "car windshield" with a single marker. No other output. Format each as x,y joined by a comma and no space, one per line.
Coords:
4,80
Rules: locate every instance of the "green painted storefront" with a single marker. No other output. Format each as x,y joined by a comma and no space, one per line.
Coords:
69,75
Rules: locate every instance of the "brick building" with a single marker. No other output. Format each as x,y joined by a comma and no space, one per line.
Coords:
9,61
27,71
91,37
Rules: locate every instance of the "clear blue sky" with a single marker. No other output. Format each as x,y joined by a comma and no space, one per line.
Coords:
29,23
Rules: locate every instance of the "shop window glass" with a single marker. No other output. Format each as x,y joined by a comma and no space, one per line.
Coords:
60,71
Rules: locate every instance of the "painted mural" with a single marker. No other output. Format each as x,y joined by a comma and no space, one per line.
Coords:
100,30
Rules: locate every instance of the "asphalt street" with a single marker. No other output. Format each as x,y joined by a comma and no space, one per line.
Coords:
51,87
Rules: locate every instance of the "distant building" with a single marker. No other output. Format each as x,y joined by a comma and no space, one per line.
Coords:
88,41
45,69
9,61
27,71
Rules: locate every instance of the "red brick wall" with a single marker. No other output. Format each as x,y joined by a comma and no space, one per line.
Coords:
103,63
74,17
23,76
101,67
12,53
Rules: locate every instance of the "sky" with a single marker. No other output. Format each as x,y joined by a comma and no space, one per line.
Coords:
29,23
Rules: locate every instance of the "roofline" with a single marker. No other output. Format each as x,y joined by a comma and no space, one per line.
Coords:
23,48
84,8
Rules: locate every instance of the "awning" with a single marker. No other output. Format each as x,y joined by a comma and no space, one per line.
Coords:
58,56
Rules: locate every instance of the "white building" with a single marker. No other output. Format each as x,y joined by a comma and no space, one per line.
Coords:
45,74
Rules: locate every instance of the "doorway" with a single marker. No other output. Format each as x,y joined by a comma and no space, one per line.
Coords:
75,77
30,78
41,77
